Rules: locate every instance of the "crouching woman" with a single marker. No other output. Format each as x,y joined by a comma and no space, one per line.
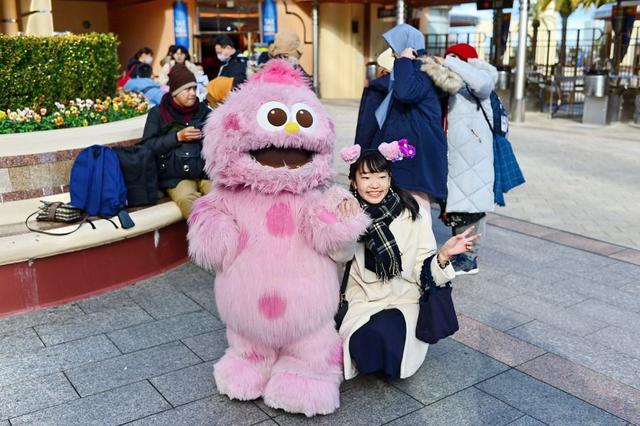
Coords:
384,286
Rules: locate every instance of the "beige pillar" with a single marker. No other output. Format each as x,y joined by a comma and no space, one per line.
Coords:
9,17
36,17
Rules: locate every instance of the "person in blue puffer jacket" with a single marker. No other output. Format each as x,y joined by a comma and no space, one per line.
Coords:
144,84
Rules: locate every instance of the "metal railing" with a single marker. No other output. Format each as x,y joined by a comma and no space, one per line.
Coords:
559,86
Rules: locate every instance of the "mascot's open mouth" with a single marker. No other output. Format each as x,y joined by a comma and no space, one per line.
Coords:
291,158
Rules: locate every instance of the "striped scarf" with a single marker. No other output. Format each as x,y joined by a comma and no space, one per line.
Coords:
378,238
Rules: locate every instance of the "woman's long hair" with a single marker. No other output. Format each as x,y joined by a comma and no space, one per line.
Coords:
187,56
376,163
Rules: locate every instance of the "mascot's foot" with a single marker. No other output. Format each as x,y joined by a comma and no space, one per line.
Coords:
299,394
238,378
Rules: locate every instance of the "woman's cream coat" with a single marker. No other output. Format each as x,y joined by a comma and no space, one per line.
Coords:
367,295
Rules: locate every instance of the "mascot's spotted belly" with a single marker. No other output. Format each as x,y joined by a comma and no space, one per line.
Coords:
270,229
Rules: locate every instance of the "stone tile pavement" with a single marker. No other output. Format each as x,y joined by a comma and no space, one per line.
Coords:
548,336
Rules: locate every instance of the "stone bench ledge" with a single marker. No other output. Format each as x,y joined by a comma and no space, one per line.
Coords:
29,246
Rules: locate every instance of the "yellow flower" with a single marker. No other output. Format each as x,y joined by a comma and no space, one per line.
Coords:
85,123
13,116
103,119
59,121
3,115
37,118
67,113
92,115
115,107
43,111
74,110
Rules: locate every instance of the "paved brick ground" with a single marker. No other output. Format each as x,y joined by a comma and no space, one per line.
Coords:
549,335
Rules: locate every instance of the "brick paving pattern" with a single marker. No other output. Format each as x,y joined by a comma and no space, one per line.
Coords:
549,335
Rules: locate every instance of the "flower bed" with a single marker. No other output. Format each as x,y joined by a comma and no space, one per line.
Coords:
75,113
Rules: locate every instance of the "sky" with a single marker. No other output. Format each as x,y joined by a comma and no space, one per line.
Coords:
577,20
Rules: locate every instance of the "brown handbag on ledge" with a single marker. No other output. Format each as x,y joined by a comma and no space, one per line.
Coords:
60,212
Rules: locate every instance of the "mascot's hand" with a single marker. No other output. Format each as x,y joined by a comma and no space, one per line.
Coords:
348,208
332,219
213,234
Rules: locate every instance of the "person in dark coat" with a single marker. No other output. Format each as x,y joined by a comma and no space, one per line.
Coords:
233,64
173,131
406,105
142,56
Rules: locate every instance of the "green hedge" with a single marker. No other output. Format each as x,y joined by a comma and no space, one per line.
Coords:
38,71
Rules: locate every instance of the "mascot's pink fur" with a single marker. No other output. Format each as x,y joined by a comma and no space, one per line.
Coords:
268,229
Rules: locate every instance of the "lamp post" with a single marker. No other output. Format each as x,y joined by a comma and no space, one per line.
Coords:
518,111
316,46
400,12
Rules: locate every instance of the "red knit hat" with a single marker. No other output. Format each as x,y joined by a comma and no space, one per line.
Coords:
463,51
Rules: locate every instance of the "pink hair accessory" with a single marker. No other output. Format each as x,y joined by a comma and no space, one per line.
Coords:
407,151
350,154
390,151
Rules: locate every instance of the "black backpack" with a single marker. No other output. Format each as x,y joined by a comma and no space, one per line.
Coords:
138,164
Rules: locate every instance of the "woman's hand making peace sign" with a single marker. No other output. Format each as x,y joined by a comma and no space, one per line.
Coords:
457,244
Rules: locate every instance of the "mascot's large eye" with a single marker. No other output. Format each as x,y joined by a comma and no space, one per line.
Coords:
277,117
273,116
304,115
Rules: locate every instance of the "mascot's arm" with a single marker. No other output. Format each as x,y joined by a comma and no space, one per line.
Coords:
325,230
344,253
213,233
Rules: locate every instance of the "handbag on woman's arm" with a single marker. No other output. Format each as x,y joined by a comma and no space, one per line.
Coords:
437,316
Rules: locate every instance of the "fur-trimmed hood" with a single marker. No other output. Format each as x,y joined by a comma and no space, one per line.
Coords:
448,80
442,77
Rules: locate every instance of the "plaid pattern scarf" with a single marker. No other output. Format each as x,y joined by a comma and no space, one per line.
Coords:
379,240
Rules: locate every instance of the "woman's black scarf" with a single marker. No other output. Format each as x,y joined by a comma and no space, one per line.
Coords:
171,112
378,238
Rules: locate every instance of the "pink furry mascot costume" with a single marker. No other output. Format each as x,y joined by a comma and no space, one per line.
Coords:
268,229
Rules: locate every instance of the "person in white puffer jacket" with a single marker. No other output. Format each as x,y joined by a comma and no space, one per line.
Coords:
470,142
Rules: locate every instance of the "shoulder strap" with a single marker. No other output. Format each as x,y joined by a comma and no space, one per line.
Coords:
481,109
345,277
40,231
